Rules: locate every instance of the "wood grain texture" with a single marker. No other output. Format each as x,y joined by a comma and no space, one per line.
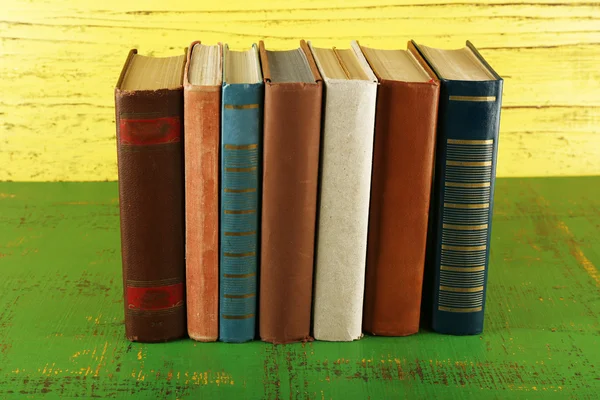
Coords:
59,62
62,332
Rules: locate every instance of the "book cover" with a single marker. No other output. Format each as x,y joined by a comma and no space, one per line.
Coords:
405,122
350,94
292,128
149,126
202,101
468,125
241,143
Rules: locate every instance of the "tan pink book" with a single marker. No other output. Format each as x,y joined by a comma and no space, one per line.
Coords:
202,113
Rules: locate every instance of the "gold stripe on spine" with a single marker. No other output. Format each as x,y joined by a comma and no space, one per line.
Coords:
467,185
239,296
250,275
461,264
240,106
482,233
241,146
462,289
468,157
460,238
247,254
473,98
463,269
240,233
464,248
472,142
469,163
465,227
456,309
250,190
467,206
238,316
250,169
239,211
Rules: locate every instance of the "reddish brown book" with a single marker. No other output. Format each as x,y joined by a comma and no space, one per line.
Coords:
149,119
292,125
202,100
405,126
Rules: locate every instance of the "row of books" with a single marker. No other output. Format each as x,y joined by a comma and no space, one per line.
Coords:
315,192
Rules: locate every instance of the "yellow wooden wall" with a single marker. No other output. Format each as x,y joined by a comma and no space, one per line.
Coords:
59,61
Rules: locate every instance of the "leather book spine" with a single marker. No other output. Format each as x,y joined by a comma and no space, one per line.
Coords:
468,126
241,142
292,128
292,125
150,167
403,160
202,134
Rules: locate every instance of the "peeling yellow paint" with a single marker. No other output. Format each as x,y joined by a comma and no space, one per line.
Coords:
15,243
223,378
100,361
576,251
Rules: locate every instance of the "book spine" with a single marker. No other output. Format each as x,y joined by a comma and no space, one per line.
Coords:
242,114
346,161
469,120
202,134
400,196
150,167
292,127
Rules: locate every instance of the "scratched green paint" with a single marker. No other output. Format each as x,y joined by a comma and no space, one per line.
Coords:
61,318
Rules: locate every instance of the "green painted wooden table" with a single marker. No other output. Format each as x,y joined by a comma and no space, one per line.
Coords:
61,313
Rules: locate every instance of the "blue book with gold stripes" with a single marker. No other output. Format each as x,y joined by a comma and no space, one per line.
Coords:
241,129
467,145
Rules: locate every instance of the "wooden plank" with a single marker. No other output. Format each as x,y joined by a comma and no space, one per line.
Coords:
60,62
62,333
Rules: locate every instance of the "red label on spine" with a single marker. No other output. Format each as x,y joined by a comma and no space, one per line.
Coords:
154,298
150,131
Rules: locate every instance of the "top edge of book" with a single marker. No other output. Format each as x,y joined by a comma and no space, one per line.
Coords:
398,65
465,64
241,67
205,65
343,64
150,73
289,66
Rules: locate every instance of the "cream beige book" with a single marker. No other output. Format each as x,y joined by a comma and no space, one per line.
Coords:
347,154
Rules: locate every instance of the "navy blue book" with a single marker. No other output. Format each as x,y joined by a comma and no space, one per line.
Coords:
241,130
467,145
